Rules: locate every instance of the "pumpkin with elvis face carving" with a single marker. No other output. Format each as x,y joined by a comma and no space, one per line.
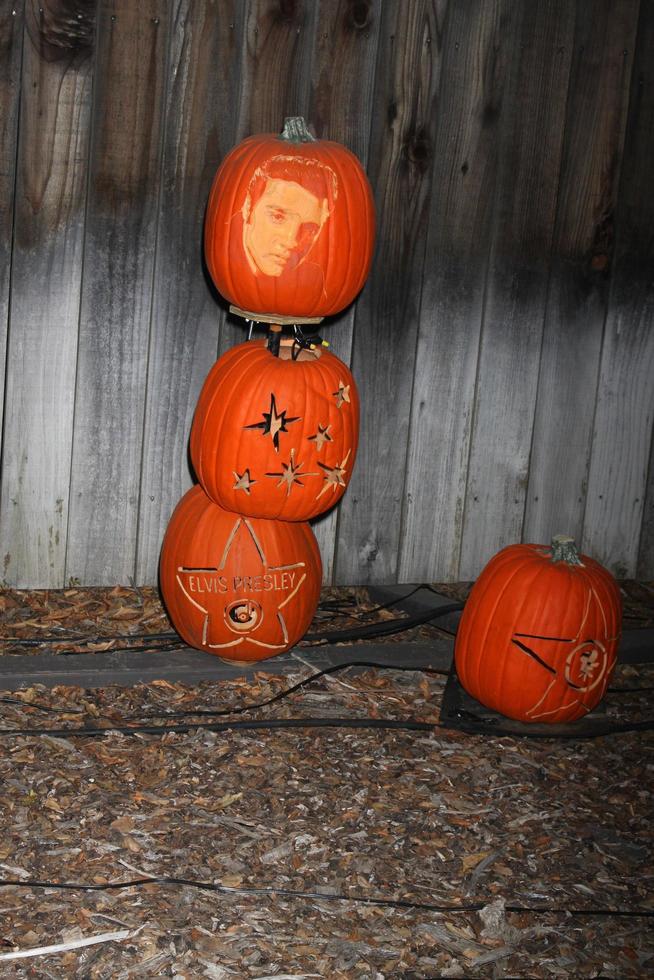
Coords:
538,635
241,588
290,225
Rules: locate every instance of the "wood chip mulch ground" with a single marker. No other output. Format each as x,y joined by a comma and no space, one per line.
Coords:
343,853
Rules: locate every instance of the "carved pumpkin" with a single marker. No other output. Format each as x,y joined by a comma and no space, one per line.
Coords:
538,636
275,437
290,225
241,588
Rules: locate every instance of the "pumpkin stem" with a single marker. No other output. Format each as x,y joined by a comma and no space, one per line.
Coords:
274,338
564,549
295,131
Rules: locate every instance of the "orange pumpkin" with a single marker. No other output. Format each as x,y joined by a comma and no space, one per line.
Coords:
240,588
275,437
538,636
290,225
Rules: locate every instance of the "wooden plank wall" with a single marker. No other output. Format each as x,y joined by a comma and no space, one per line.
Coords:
503,345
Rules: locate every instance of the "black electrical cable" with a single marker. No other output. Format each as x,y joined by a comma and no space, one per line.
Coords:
384,628
388,724
339,897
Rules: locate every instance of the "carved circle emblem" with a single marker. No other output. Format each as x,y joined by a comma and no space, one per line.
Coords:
243,615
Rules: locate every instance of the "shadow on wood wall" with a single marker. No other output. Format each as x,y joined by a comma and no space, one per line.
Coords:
503,345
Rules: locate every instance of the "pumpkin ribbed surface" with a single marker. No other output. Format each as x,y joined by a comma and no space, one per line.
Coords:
275,438
289,227
538,638
240,588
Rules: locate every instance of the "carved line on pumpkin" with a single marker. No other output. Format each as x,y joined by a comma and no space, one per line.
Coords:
530,652
256,541
273,423
568,707
282,623
181,585
285,568
291,594
535,636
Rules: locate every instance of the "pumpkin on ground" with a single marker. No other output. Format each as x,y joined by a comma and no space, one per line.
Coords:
275,437
538,636
290,225
241,588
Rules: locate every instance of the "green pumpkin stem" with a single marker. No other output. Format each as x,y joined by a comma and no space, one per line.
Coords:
564,549
295,131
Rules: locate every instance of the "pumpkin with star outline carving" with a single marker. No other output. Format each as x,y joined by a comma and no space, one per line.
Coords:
240,588
538,636
276,437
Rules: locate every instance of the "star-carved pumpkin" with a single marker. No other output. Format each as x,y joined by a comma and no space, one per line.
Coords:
290,224
538,635
275,437
238,587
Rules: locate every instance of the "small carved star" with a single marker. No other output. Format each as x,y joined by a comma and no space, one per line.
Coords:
273,423
342,395
321,437
334,475
243,481
290,475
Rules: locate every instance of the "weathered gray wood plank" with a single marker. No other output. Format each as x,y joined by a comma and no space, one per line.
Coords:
471,104
117,290
11,45
45,292
340,108
200,129
624,418
581,260
401,159
193,666
529,162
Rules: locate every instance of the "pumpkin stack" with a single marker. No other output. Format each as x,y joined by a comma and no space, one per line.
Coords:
289,235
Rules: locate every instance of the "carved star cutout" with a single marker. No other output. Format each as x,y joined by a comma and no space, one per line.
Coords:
243,481
291,473
321,437
342,395
273,423
334,475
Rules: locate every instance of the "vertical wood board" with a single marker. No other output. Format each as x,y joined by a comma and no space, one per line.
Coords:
46,270
401,159
471,103
622,436
200,129
11,46
341,108
581,261
117,291
530,154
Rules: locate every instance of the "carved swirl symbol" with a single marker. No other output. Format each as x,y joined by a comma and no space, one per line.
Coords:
586,665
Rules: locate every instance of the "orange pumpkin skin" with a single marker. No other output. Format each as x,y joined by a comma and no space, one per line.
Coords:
538,638
239,588
290,225
275,438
